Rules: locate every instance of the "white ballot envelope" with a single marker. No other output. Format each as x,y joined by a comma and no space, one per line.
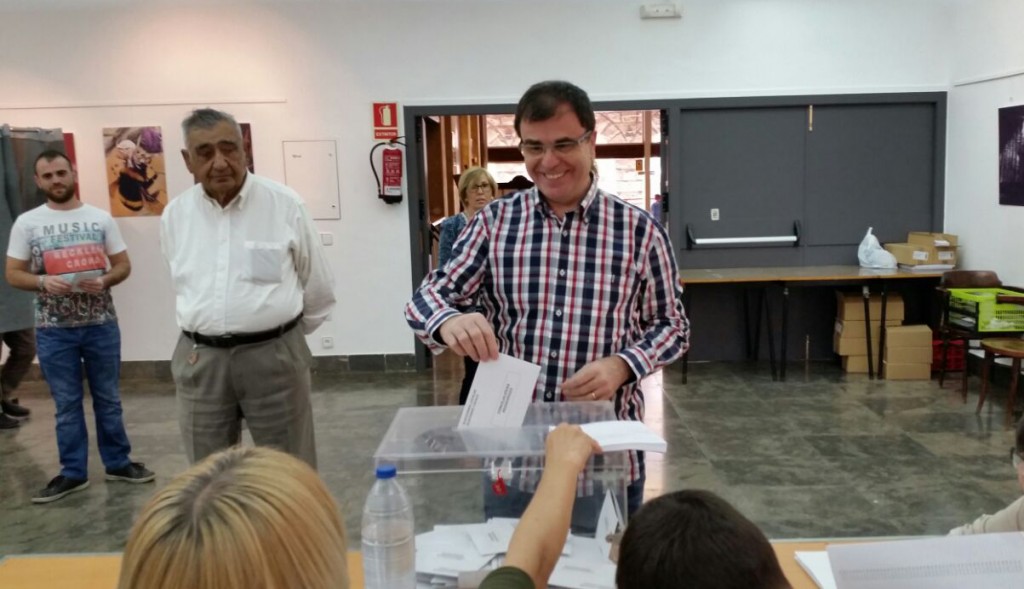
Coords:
500,394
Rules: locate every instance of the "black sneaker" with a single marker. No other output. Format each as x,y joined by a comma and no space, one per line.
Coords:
8,422
13,409
59,487
135,472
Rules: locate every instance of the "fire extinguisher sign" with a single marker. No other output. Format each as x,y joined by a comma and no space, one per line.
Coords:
385,120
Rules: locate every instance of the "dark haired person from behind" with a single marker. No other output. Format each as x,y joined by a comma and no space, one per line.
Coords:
697,540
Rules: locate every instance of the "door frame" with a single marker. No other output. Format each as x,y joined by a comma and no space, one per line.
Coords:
419,225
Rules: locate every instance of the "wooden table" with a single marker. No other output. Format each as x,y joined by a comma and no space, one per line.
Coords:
93,571
100,571
1008,347
787,276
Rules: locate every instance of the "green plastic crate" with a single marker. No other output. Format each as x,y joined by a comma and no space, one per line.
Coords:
976,308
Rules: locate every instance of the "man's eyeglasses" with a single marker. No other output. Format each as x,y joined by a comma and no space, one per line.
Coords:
1015,458
483,187
562,146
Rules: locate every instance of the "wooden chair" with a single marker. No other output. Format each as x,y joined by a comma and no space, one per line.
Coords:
1012,348
948,331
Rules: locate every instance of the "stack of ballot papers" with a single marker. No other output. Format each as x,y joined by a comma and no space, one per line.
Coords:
613,436
992,561
448,551
453,551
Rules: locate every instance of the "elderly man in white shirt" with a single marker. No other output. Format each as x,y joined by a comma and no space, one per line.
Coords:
250,280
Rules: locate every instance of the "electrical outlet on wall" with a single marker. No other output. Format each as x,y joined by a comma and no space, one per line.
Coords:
714,214
327,342
660,10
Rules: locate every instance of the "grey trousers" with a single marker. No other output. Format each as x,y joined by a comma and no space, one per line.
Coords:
266,383
22,346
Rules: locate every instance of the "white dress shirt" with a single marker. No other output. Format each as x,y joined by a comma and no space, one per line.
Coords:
250,266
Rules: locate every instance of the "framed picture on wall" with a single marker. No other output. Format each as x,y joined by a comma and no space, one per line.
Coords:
135,171
69,149
247,145
1011,155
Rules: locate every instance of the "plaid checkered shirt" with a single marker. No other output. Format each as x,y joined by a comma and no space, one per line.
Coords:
564,292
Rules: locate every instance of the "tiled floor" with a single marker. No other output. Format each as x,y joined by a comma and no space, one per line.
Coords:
822,455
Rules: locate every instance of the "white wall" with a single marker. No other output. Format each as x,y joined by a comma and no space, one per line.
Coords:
988,43
310,71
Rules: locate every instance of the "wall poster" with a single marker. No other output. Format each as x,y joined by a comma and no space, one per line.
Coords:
1011,155
136,172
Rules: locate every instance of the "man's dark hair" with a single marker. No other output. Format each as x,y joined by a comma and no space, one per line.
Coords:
540,102
207,118
695,539
50,155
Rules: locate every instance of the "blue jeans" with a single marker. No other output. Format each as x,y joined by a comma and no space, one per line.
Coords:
63,351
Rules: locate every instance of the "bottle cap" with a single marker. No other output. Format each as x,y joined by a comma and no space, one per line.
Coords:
386,471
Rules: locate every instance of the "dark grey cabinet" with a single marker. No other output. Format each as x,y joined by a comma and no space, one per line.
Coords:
828,166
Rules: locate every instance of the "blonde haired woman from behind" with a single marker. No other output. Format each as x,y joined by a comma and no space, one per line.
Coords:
244,518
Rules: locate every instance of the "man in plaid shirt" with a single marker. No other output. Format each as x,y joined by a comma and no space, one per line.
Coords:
566,275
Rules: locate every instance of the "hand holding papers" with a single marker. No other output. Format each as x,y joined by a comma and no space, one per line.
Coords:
500,395
614,436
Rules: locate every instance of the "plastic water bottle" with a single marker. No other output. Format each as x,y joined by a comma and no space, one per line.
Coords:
389,550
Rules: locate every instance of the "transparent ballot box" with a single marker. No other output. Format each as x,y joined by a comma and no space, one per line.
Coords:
465,476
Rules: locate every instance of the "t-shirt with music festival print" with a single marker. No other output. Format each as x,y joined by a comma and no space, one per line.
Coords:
75,245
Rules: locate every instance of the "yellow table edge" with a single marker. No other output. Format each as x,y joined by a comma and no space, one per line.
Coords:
100,571
93,571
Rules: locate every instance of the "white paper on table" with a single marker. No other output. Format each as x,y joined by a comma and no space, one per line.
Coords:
992,561
586,551
512,521
817,565
501,393
608,522
433,582
581,574
447,552
489,538
613,436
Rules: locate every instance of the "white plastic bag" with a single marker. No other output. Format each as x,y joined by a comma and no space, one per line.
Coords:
872,255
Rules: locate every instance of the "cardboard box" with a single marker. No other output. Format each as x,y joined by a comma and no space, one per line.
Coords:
850,306
909,336
898,371
939,240
910,254
859,328
852,346
855,364
946,255
915,254
908,355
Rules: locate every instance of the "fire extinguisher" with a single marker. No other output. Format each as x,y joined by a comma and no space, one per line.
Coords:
389,184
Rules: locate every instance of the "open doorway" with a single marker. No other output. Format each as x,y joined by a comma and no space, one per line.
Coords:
631,140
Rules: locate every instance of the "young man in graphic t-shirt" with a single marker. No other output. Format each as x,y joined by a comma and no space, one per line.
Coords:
71,253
